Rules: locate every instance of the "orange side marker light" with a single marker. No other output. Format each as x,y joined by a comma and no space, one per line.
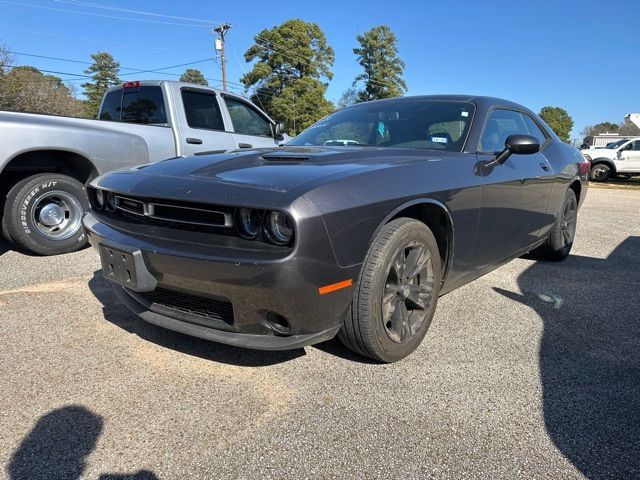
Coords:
335,286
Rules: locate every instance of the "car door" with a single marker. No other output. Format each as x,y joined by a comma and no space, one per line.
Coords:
203,130
251,129
630,157
515,195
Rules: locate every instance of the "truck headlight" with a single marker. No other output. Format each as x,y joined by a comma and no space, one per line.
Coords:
279,228
99,198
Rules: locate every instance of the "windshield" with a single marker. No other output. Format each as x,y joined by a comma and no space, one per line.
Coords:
619,143
426,124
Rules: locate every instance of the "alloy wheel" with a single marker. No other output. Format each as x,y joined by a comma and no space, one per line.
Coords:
408,292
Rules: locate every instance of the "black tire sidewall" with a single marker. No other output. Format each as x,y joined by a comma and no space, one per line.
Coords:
556,239
17,220
385,348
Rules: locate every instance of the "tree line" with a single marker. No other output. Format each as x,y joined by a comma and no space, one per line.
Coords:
291,70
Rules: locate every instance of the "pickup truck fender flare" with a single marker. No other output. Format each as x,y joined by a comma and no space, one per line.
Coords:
90,165
606,160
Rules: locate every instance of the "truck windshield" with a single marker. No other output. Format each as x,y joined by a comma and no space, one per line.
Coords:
424,124
143,104
619,143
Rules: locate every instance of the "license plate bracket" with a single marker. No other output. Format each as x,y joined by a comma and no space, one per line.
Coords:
119,266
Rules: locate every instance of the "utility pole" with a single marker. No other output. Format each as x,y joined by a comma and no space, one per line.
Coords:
222,31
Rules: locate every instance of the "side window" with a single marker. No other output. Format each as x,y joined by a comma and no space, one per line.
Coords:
143,105
534,129
636,145
246,120
111,106
499,125
202,110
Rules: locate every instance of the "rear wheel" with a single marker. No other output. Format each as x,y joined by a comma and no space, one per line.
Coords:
560,239
396,295
43,214
600,172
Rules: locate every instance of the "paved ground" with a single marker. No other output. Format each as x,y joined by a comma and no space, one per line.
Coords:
531,371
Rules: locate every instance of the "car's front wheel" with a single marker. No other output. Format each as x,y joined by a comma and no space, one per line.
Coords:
43,214
396,295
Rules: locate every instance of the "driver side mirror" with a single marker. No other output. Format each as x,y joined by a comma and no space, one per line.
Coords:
279,131
517,144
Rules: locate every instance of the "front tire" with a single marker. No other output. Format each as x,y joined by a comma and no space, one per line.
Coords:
43,214
600,172
396,295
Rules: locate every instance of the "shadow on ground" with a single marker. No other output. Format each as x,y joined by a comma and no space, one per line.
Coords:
58,446
116,313
590,357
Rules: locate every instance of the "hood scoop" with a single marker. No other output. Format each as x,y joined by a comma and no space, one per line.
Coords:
284,158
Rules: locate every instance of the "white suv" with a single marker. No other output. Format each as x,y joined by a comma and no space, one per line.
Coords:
620,158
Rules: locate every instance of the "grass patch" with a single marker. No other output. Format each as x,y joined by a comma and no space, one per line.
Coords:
632,183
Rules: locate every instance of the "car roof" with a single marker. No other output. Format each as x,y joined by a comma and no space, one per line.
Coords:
479,100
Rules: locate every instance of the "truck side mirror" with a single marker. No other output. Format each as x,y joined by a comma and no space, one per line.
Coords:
279,131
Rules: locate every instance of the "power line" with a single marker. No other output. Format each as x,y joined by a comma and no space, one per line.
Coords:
136,12
102,15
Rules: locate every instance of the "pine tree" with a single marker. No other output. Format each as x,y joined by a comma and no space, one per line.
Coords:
383,68
104,74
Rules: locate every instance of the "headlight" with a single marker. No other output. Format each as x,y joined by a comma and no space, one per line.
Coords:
279,228
249,222
99,198
587,156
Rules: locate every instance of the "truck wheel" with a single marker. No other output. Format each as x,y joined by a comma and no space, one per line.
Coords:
396,295
43,214
560,239
600,173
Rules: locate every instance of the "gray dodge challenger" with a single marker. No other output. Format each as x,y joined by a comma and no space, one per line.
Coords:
354,228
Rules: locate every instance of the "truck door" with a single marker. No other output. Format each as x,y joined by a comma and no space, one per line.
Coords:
629,157
203,130
251,129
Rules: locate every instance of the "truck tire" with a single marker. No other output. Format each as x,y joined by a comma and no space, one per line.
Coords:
43,214
600,172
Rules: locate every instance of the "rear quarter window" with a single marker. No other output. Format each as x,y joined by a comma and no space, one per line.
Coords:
143,105
111,106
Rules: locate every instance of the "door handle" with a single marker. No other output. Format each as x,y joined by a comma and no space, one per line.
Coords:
194,141
245,145
545,166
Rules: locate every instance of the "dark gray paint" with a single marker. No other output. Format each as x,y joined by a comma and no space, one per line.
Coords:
339,197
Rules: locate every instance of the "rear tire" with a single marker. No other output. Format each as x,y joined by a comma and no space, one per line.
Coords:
600,172
396,295
560,240
43,214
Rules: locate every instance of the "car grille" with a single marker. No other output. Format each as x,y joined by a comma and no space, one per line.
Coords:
188,214
190,305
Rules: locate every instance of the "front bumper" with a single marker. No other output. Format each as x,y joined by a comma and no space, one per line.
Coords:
201,291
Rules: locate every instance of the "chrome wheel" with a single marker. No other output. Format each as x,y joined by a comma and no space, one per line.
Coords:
57,215
408,292
600,173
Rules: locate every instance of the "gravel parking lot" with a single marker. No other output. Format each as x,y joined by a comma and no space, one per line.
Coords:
531,371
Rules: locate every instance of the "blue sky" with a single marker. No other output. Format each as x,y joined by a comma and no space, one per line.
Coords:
581,55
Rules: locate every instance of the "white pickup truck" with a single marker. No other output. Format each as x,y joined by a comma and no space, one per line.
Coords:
621,158
45,161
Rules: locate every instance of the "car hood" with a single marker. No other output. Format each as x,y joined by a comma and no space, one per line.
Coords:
281,169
